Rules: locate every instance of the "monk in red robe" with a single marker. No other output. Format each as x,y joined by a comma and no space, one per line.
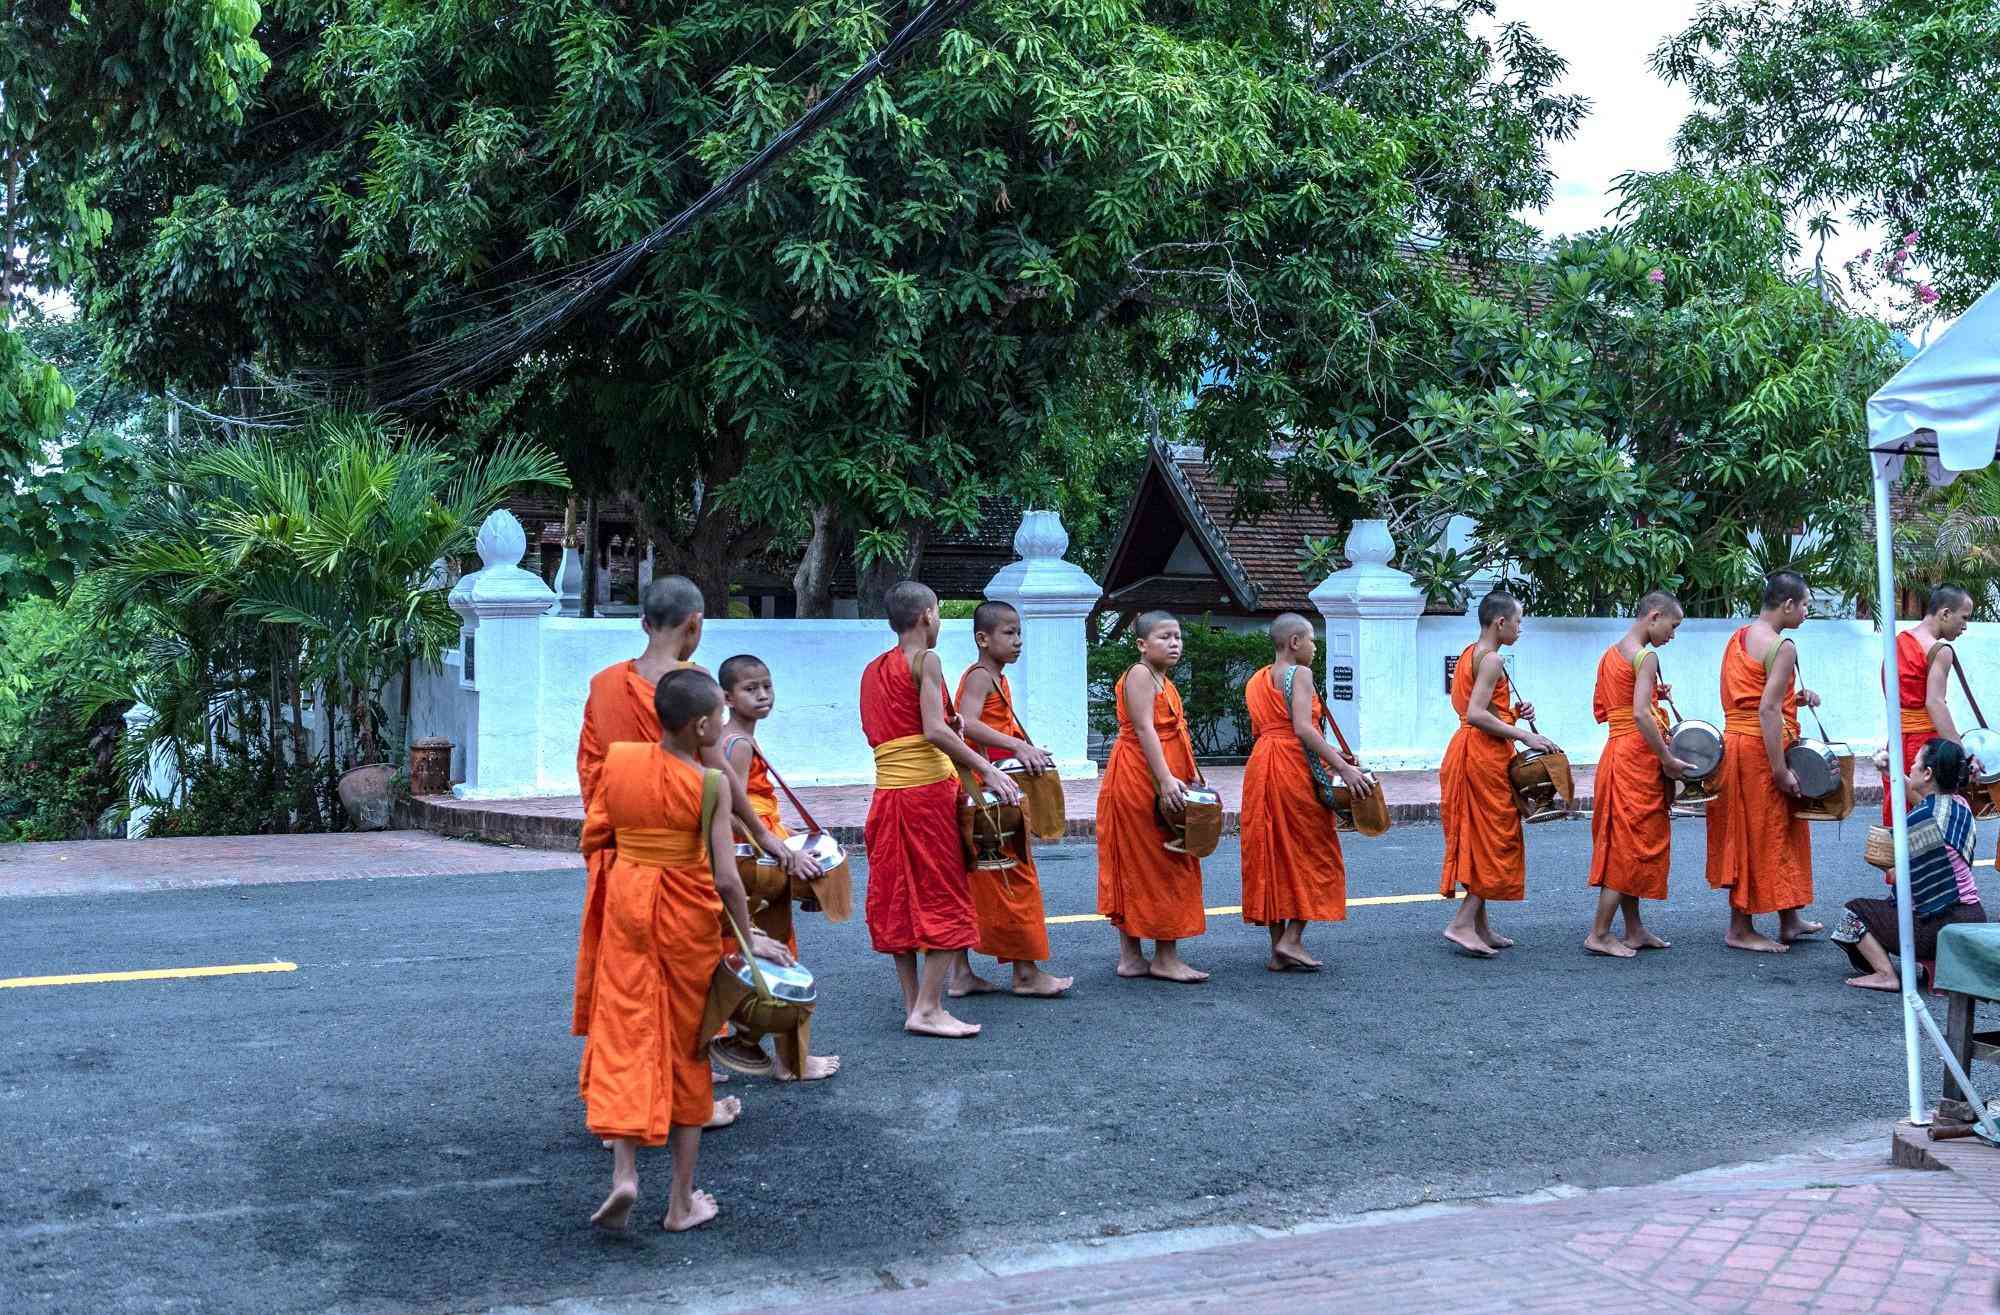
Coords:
619,709
1631,832
672,873
1924,657
1759,849
918,901
1293,871
1148,891
750,695
1006,904
1485,853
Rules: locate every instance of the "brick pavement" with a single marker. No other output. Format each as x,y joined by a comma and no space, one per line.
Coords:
1811,1235
185,863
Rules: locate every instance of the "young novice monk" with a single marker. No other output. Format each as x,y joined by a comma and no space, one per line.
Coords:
1924,656
620,708
749,694
1293,872
1483,847
918,901
1759,849
1631,839
1146,890
1008,904
670,878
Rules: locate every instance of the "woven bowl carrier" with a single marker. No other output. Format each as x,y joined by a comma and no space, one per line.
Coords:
750,1008
1538,778
1837,802
1041,796
830,893
1368,817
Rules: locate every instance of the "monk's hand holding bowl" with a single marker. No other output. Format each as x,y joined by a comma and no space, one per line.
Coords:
1677,769
1173,796
1351,773
1539,743
796,863
1036,760
1003,787
1785,781
765,948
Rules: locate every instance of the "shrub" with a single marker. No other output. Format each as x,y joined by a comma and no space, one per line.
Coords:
59,723
1215,663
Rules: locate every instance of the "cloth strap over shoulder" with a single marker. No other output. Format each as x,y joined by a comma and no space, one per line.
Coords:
1322,779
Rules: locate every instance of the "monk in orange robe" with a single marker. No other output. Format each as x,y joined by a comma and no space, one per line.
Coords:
1631,832
750,695
1924,656
1293,870
1484,850
1148,891
1759,849
918,901
620,708
672,873
1007,905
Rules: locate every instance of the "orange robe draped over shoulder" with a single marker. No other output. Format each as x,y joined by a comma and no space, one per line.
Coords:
643,1071
1484,850
619,708
917,894
1292,864
1143,888
1631,836
772,917
1008,906
1913,685
1757,848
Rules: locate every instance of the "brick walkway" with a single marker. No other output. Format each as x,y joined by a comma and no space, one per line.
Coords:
1853,1235
557,822
101,867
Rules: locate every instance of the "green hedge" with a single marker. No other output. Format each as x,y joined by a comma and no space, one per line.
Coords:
1215,664
59,730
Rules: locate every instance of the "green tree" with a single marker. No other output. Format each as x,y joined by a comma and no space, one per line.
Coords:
1879,110
870,340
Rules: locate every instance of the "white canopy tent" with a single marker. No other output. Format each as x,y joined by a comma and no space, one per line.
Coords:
1944,405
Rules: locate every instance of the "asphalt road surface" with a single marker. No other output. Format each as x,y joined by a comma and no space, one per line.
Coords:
394,1125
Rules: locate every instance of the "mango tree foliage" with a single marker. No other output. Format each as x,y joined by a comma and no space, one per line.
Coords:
1879,110
879,332
1659,404
86,91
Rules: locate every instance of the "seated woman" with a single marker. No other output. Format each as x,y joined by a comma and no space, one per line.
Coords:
1942,840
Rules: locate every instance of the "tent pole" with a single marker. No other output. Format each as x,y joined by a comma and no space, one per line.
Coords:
1885,617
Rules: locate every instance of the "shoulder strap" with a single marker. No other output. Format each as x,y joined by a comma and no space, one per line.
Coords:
1000,688
812,827
1966,685
711,800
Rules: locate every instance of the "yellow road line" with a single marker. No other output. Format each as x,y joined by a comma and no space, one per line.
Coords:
150,974
1238,908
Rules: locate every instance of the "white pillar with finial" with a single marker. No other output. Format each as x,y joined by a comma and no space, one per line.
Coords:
1373,686
501,606
1051,681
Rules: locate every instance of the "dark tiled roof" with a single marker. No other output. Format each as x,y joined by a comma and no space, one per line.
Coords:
1267,548
1184,595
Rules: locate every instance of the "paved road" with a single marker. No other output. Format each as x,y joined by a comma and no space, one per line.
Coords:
394,1125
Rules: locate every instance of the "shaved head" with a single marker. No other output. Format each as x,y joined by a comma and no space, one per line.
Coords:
685,695
1496,605
670,601
906,603
990,616
1949,595
1289,626
1148,622
1782,587
1658,601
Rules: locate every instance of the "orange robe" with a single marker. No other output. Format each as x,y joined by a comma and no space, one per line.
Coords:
773,918
917,894
1913,677
1484,850
642,1071
1757,847
1013,925
1145,889
1292,865
619,708
1631,836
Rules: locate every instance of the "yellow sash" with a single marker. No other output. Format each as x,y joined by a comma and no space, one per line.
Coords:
660,848
909,762
1917,721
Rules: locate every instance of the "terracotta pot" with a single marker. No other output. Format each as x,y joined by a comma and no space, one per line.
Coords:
365,794
430,766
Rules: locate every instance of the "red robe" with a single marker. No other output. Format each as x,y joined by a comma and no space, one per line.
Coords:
1758,848
1484,849
1292,865
1145,889
1013,923
1913,663
1631,836
917,893
642,1070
